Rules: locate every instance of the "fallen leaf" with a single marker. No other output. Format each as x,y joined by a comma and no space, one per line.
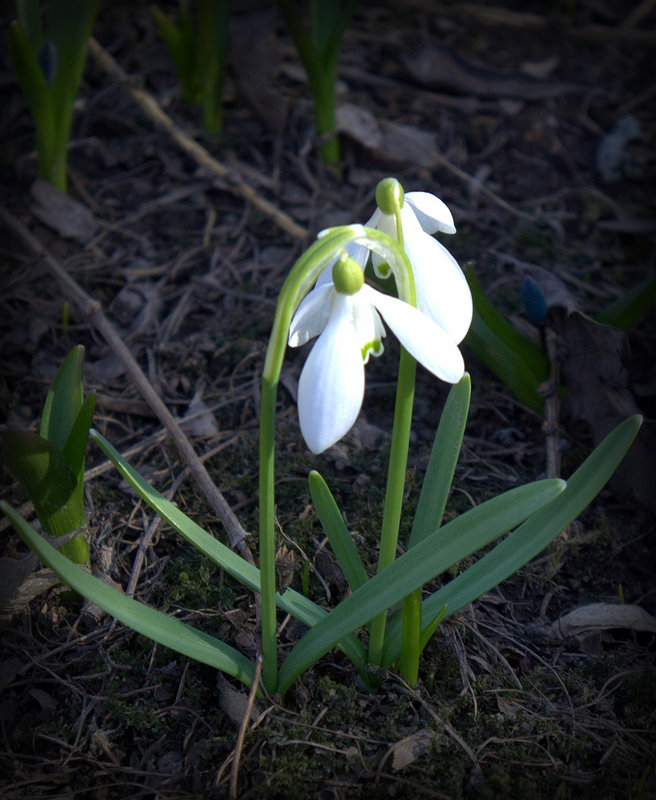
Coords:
199,419
594,370
360,124
441,67
601,616
62,213
407,750
233,703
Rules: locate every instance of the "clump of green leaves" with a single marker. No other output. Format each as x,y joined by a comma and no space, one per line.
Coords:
50,464
198,46
48,50
318,46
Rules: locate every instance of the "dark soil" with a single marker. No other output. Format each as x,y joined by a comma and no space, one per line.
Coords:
189,272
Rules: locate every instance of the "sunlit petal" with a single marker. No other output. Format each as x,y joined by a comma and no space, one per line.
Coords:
432,213
442,290
311,316
331,386
420,335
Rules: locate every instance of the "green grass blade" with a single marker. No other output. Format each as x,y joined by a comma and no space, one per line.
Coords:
458,538
29,17
64,400
519,363
533,535
76,444
166,630
633,305
442,464
428,630
337,532
294,603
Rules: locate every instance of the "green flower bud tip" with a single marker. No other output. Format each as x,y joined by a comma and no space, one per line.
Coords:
348,276
389,195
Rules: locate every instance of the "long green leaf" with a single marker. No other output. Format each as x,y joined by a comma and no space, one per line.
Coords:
519,363
337,532
532,536
626,311
294,603
458,538
64,400
166,630
76,443
442,464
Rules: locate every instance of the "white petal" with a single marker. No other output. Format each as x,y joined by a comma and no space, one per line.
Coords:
421,337
311,315
331,387
442,290
432,213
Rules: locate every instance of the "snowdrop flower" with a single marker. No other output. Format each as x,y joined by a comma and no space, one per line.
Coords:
346,316
442,290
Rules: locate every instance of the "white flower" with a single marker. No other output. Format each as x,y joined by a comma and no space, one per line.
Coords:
348,324
442,290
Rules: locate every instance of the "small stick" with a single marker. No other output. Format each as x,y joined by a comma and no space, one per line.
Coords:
156,114
549,390
243,727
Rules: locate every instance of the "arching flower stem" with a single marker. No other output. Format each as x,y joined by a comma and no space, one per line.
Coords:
298,283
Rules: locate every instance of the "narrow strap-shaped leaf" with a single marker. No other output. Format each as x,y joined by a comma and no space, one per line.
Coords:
429,629
76,444
532,536
166,630
442,464
519,363
628,309
337,532
294,603
469,532
64,400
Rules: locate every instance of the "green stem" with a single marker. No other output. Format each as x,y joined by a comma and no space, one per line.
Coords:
299,281
405,393
323,90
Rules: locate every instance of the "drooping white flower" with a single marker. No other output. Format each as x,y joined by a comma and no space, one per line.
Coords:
442,290
346,316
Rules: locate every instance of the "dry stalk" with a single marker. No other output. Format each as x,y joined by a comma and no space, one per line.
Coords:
156,114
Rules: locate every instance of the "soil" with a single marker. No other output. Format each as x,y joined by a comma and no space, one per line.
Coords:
504,112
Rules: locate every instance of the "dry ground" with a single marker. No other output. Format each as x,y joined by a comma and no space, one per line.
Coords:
188,270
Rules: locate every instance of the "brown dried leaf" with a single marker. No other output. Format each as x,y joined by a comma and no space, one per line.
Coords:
410,749
602,616
62,213
595,374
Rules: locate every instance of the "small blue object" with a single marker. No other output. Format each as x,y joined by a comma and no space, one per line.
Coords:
534,301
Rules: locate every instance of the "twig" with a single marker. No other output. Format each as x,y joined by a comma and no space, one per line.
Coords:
155,113
241,735
549,390
92,310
